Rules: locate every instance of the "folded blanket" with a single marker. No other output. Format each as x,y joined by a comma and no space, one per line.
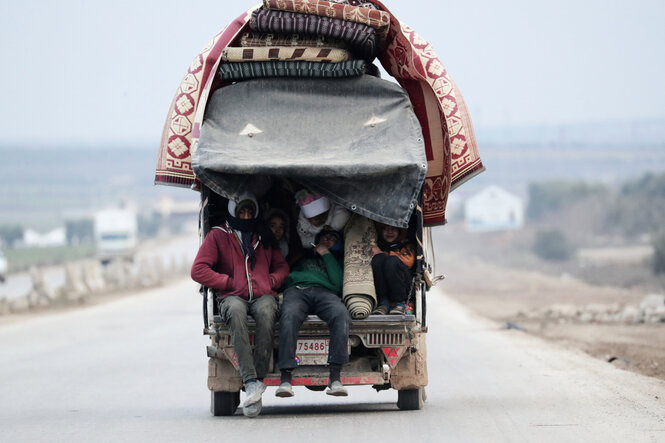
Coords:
379,20
362,4
246,70
358,292
285,53
360,37
309,41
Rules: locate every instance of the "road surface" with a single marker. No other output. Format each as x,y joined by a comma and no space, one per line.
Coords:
135,370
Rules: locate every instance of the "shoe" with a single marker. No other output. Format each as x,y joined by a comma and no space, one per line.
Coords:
398,310
284,390
337,389
252,410
380,310
254,390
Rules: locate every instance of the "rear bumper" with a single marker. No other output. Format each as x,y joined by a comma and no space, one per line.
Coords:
386,353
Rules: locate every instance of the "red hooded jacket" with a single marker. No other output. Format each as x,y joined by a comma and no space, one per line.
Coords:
220,264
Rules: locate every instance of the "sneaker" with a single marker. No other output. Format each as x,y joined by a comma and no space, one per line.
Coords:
254,390
337,389
380,310
284,390
398,310
252,410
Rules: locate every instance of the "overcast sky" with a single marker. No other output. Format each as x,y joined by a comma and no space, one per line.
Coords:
89,72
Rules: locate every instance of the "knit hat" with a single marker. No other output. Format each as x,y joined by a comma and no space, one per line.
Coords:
339,244
245,200
312,203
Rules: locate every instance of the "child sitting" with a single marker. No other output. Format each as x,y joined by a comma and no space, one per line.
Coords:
278,222
392,261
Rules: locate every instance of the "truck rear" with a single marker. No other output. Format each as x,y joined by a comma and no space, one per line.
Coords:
387,151
385,351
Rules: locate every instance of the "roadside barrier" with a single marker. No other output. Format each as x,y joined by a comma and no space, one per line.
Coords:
87,279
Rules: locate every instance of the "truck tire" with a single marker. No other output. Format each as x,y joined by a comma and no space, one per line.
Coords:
224,403
411,399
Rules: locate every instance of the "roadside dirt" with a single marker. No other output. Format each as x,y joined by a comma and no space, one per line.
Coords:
482,274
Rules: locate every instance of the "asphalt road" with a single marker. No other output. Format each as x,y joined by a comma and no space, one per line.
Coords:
135,370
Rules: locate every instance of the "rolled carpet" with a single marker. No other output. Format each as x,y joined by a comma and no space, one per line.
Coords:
360,37
246,70
358,291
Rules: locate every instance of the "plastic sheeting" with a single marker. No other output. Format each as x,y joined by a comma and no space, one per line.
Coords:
357,141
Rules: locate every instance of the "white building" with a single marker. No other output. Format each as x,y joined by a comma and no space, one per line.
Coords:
494,209
53,238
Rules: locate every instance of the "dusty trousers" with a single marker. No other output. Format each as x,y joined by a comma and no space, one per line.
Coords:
298,303
234,311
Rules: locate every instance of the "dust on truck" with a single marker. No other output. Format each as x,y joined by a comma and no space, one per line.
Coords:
380,149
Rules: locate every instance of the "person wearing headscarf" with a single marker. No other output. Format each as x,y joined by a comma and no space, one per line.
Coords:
243,263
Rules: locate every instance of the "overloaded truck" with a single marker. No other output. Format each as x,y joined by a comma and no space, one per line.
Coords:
387,151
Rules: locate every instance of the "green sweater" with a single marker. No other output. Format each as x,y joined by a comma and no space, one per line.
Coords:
326,272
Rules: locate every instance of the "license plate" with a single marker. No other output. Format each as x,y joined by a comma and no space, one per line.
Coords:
312,346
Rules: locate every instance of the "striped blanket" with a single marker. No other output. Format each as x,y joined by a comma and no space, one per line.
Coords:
247,70
286,53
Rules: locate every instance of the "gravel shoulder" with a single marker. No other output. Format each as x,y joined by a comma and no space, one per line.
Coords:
602,321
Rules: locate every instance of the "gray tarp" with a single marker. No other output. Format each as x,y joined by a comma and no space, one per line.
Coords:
356,141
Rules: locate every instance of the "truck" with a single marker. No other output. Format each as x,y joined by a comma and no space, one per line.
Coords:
359,164
116,234
383,149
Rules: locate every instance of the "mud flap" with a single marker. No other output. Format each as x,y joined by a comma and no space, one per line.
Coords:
411,371
222,376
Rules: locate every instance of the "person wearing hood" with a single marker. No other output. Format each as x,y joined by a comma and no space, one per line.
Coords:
316,213
314,286
393,258
243,263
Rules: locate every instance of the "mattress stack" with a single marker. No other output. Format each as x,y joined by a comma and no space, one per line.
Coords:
307,38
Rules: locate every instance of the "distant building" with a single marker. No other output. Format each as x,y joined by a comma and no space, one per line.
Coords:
494,209
34,239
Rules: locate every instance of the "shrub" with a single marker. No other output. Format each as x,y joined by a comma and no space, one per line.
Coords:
658,263
547,197
552,245
639,207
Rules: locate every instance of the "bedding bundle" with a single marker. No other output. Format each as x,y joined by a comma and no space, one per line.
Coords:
450,143
307,38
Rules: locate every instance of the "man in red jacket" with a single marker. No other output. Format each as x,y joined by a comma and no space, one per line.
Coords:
243,262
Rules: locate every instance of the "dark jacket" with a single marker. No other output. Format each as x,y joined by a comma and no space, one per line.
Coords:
221,264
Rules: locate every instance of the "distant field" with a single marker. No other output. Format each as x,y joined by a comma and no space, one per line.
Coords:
43,187
21,259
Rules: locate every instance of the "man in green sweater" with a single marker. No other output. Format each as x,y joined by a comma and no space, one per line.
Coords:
314,286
